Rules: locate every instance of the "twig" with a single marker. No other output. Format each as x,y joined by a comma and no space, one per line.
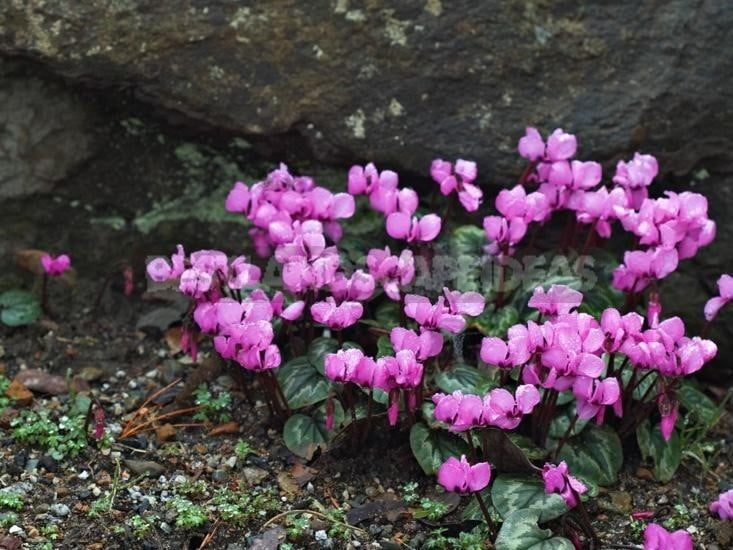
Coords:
209,536
280,516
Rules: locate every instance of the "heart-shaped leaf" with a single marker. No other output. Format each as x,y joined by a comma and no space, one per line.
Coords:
19,307
384,347
319,348
666,455
432,447
467,250
521,532
699,404
462,377
495,323
304,434
301,383
511,493
595,457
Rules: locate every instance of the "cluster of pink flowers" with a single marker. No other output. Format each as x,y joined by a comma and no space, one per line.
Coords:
277,203
459,178
672,228
242,329
398,205
498,408
446,314
565,352
392,374
393,272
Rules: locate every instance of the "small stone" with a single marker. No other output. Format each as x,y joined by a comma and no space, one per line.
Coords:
91,374
147,467
254,475
371,492
17,531
60,510
17,392
83,474
218,475
41,381
621,500
165,528
49,463
664,499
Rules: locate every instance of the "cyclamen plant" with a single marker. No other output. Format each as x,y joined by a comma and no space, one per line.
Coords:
539,405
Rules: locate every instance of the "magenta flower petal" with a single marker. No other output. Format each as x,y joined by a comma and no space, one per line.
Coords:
398,225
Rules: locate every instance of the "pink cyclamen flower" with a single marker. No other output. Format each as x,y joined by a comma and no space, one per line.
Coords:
560,299
359,287
558,480
402,226
464,303
392,271
459,411
342,365
363,180
55,266
336,316
427,344
617,328
669,409
403,369
531,146
640,267
460,178
724,505
458,476
725,296
657,537
594,395
504,410
195,282
159,270
635,176
433,317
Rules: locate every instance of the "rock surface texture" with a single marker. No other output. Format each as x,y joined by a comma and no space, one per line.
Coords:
404,82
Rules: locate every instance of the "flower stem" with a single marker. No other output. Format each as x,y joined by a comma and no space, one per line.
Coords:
485,512
564,438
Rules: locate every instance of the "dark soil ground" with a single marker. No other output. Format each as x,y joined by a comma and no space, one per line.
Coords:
99,499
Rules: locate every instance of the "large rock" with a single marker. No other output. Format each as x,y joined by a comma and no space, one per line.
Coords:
403,82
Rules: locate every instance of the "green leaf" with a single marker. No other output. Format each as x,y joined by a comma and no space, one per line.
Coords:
384,347
19,307
595,457
650,378
467,247
561,422
462,377
304,434
432,447
666,455
387,315
698,403
511,493
301,383
521,532
495,323
319,348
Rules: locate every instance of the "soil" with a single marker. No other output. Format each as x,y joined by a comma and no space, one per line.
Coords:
123,365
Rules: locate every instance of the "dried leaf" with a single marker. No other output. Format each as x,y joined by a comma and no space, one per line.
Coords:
228,428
